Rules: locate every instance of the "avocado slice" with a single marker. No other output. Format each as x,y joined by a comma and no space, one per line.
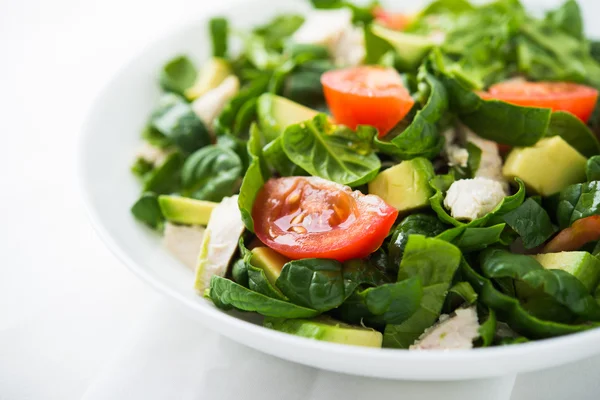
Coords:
410,48
327,329
184,210
547,167
405,186
275,113
210,76
270,261
581,264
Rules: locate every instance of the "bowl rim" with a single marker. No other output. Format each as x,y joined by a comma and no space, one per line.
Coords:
216,319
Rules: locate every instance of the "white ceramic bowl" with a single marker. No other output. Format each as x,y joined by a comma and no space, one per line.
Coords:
108,144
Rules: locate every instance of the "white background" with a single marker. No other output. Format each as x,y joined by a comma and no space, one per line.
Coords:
67,307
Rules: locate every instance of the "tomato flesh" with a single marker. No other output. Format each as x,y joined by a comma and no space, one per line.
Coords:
310,217
582,231
579,100
391,20
366,95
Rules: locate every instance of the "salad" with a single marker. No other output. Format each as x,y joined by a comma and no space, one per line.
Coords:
364,177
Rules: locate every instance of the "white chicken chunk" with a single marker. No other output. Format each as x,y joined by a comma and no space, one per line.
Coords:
152,154
455,154
469,199
184,242
490,165
350,48
451,332
219,243
208,106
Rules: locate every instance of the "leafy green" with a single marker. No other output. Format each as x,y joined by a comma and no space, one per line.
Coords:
141,167
211,173
147,210
332,152
303,84
563,287
592,170
177,75
421,138
409,48
578,201
259,54
421,224
239,272
277,160
567,17
434,262
165,178
508,309
531,222
278,29
363,14
225,294
574,132
465,291
470,239
441,183
175,119
258,282
218,27
487,330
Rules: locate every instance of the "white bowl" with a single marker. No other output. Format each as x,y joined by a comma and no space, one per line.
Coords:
108,144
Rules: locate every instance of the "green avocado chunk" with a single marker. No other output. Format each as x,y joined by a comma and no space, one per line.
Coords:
270,261
212,74
275,113
405,186
581,264
327,329
411,48
184,210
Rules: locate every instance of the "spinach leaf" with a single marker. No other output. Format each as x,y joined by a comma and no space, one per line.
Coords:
219,35
508,309
303,84
434,262
155,138
175,119
147,210
254,179
567,17
166,177
278,29
487,330
421,224
408,49
391,303
141,167
239,272
531,222
363,14
334,153
578,201
465,291
469,239
441,183
258,282
362,272
225,293
177,75
421,138
211,173
574,132
592,170
563,287
277,160
257,52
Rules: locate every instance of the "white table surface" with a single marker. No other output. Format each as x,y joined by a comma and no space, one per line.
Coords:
69,312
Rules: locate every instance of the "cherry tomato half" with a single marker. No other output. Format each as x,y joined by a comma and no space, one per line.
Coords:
582,231
306,217
579,100
366,95
391,20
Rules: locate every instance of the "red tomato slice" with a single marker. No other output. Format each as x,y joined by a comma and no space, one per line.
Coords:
582,231
391,20
306,217
366,95
577,99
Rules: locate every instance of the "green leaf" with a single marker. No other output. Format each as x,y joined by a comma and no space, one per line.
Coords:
421,138
464,290
470,239
225,293
531,222
434,262
177,75
509,310
279,28
258,282
578,201
141,167
592,170
487,330
147,210
563,287
254,179
239,272
567,17
277,160
333,153
165,178
257,52
219,35
421,224
574,132
441,183
211,173
175,119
